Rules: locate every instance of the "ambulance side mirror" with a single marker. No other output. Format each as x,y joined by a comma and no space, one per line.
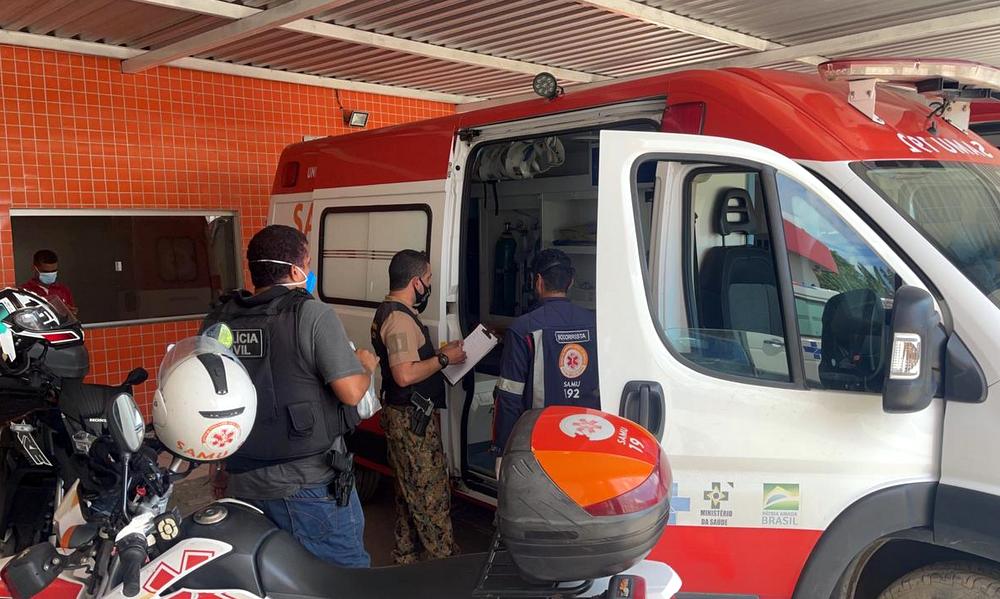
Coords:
916,345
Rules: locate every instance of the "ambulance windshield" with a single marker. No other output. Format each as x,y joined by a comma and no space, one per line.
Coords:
955,205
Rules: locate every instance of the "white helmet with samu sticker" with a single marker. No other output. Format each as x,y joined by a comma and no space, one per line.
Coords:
205,404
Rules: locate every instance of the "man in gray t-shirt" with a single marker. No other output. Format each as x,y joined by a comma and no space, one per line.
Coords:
324,346
308,381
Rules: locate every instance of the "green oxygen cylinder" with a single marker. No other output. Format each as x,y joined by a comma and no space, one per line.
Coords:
504,301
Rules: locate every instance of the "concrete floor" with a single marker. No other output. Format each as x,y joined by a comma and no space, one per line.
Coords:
473,523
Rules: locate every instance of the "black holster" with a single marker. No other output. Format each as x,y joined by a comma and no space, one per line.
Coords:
342,462
420,413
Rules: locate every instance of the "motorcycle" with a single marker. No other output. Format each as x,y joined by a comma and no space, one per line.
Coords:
549,544
49,418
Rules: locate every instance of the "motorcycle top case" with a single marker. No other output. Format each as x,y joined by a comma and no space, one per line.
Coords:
583,494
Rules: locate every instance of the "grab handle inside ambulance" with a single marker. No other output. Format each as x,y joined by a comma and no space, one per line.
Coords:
642,403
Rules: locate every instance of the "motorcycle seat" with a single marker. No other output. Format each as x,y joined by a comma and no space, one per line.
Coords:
289,571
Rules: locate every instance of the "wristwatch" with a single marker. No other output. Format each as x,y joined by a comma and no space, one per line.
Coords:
443,360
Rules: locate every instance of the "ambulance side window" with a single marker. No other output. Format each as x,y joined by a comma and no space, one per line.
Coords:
843,294
356,244
729,317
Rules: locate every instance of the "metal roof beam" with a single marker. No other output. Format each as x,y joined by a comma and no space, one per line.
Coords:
230,32
219,8
48,42
676,22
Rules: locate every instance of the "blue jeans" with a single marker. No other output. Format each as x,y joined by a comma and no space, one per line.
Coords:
332,533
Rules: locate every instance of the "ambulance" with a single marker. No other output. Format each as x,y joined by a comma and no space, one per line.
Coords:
797,286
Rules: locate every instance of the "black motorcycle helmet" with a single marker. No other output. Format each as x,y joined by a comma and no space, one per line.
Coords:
41,344
34,327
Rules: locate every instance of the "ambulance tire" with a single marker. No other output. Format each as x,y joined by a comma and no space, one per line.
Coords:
367,482
948,580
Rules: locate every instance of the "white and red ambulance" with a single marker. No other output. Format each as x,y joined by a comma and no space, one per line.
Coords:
797,287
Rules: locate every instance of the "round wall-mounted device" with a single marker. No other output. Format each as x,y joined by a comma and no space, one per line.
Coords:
546,86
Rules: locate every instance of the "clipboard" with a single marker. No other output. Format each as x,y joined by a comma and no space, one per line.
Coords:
479,343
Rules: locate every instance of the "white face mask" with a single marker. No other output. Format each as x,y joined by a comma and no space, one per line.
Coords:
47,278
308,281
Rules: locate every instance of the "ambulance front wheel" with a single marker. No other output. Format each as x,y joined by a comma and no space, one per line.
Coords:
948,580
367,482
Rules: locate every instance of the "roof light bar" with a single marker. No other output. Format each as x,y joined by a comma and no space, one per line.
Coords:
912,70
955,82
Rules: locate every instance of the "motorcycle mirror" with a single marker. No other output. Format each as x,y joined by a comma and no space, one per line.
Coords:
138,376
126,424
221,332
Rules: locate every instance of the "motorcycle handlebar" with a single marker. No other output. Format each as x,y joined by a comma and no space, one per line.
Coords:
132,556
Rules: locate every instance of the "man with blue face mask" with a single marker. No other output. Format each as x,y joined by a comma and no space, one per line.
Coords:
294,465
46,267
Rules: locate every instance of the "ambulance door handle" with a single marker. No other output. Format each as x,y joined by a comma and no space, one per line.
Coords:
642,402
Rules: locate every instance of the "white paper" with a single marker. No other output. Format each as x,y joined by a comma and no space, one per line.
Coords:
479,343
369,404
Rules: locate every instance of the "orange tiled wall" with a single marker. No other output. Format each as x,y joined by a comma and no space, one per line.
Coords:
77,133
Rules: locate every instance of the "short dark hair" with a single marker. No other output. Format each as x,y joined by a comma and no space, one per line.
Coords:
405,265
275,242
45,257
555,268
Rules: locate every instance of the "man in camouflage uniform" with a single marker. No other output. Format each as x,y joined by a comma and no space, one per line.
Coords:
411,373
423,497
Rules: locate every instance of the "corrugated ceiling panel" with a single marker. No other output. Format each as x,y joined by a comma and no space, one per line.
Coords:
115,22
555,32
300,53
792,22
559,33
982,45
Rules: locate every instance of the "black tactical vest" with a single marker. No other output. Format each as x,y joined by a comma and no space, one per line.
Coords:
297,413
432,387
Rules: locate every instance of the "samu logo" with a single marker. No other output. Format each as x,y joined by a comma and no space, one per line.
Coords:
595,428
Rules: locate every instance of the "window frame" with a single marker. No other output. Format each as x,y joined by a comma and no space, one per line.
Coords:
140,212
768,181
367,209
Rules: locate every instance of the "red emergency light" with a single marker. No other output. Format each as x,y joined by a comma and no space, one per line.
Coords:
954,83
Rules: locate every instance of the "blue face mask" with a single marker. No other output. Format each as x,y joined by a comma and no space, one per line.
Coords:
310,282
47,278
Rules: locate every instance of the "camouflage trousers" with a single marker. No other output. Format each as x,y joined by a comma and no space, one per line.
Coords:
423,495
